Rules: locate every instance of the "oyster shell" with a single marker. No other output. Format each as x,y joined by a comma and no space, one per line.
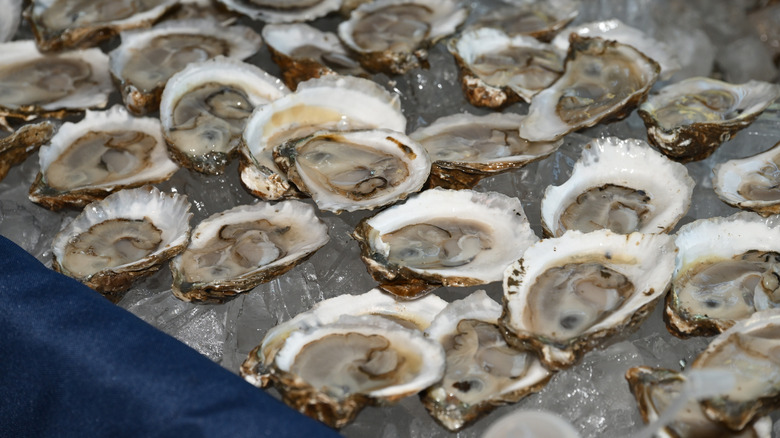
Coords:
330,372
534,18
689,119
465,148
304,52
16,147
282,11
726,269
750,183
33,84
655,390
354,170
497,70
568,295
622,185
147,58
482,372
330,102
236,250
602,81
9,21
122,238
749,351
104,152
391,36
416,314
67,24
204,109
443,238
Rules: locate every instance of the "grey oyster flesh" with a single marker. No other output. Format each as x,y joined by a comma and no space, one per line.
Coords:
702,107
729,290
349,169
165,55
764,183
439,243
397,28
617,208
67,14
109,244
42,81
481,142
525,67
344,364
236,250
520,21
564,302
99,158
210,119
338,62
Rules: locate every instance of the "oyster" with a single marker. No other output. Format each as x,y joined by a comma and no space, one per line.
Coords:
749,351
204,108
568,295
726,269
391,36
303,52
330,102
282,11
16,147
443,238
33,84
147,58
9,21
465,148
236,250
621,185
689,119
482,371
330,372
354,170
122,238
602,81
541,19
497,70
750,183
416,314
67,24
104,152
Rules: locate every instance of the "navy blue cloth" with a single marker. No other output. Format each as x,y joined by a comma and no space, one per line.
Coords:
73,364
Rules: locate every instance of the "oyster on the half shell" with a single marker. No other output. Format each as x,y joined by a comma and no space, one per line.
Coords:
16,147
751,183
541,19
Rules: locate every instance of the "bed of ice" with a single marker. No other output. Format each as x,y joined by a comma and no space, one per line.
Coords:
593,395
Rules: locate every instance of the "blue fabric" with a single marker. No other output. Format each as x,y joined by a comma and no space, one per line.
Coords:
73,364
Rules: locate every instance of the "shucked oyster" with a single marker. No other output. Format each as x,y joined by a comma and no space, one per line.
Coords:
126,236
146,59
282,11
67,24
33,84
391,35
24,141
726,269
104,152
689,119
354,170
235,250
443,238
570,294
602,81
204,108
540,19
482,371
416,314
621,185
751,183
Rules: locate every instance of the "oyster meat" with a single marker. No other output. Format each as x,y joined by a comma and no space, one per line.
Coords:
282,11
541,19
443,238
689,119
204,108
726,269
124,237
147,58
621,185
602,81
104,152
465,148
751,183
236,250
482,372
568,295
